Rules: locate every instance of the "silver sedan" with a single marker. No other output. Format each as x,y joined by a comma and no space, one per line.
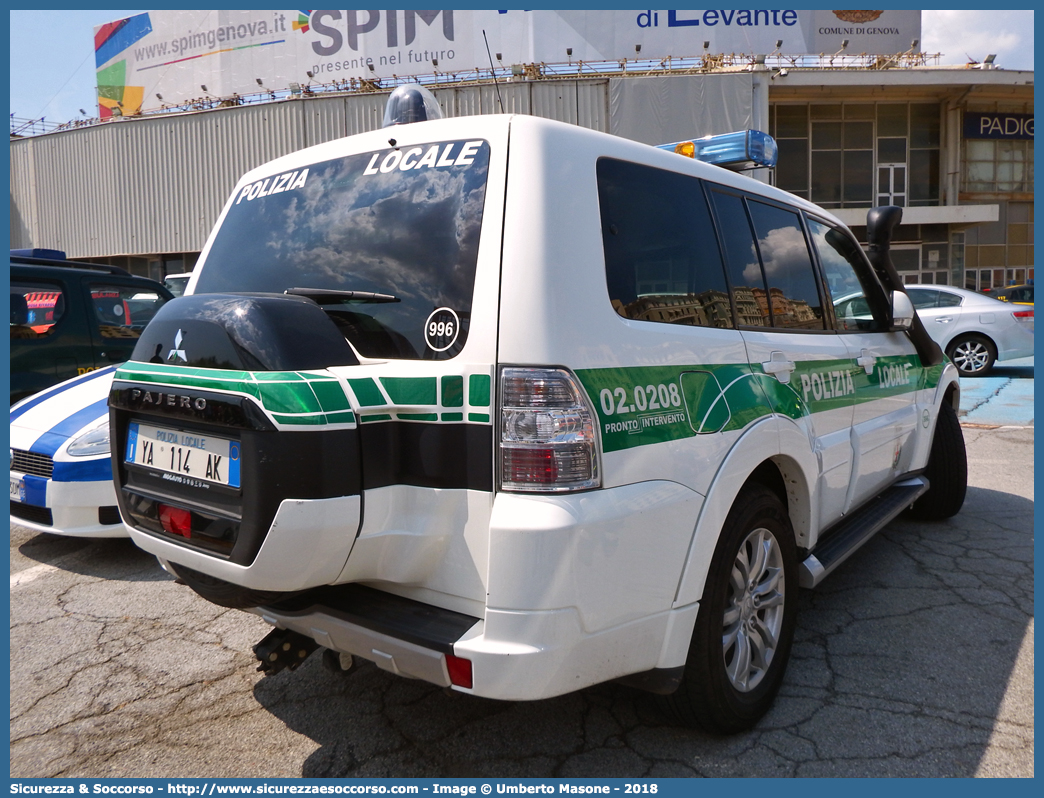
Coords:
973,330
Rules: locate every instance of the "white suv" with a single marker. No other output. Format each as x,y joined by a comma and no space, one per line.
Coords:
516,408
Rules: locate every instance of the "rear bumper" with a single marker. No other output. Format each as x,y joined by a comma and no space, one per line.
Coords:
400,635
580,591
548,654
1016,342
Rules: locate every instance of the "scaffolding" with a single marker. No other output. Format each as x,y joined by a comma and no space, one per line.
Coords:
623,68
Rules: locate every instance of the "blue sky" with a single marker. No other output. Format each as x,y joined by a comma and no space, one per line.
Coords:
52,68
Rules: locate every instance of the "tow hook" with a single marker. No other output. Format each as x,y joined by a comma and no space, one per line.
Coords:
282,648
338,662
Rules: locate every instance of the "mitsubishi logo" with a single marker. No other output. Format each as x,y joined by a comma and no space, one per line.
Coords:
177,352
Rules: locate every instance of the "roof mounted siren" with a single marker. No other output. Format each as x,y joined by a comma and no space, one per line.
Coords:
411,103
739,151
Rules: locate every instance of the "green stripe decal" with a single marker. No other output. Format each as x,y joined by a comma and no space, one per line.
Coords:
704,400
411,390
204,379
933,375
276,376
347,417
282,397
453,391
310,399
655,404
479,390
162,370
330,395
301,421
293,399
367,392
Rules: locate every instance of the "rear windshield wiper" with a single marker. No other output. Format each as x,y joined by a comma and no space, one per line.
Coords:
328,296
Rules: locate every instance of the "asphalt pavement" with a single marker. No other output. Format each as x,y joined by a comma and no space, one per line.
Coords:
1004,397
915,658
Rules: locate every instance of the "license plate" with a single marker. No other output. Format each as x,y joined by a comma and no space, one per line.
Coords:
190,455
17,489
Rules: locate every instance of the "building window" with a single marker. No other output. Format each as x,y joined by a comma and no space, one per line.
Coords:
790,129
997,165
925,141
855,155
957,258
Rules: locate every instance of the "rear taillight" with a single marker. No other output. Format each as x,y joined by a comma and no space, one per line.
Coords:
175,520
1023,316
547,432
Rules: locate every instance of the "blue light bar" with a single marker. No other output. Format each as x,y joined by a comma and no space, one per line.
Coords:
745,149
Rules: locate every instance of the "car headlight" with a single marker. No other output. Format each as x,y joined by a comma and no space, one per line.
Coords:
91,443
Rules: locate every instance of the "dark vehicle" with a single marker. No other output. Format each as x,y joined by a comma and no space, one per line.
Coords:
68,318
177,283
1016,294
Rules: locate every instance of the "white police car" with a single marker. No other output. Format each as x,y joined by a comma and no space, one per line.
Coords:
61,472
516,407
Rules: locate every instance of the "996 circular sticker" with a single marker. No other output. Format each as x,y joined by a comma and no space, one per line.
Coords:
441,329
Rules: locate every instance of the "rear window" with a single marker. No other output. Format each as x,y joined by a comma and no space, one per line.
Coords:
123,311
924,298
399,227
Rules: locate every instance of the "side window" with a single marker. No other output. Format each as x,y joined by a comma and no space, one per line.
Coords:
854,290
741,256
787,264
923,298
661,255
948,300
123,311
35,309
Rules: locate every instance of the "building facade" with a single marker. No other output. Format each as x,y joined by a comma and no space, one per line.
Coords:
952,145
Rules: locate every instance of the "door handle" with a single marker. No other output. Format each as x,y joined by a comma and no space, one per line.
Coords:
944,320
867,360
780,366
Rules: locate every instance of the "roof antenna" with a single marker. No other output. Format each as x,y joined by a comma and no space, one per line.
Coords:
493,70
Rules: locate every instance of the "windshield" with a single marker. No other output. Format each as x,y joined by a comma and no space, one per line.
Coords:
403,223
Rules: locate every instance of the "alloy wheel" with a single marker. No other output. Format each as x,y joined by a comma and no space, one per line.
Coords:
971,356
754,613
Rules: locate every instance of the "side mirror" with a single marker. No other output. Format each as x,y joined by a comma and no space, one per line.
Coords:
902,311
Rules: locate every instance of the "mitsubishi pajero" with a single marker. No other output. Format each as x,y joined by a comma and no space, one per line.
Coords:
516,408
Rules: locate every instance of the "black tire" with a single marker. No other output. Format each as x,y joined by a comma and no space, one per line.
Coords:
947,470
721,692
973,355
225,594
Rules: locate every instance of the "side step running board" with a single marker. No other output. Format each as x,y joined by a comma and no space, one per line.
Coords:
856,529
